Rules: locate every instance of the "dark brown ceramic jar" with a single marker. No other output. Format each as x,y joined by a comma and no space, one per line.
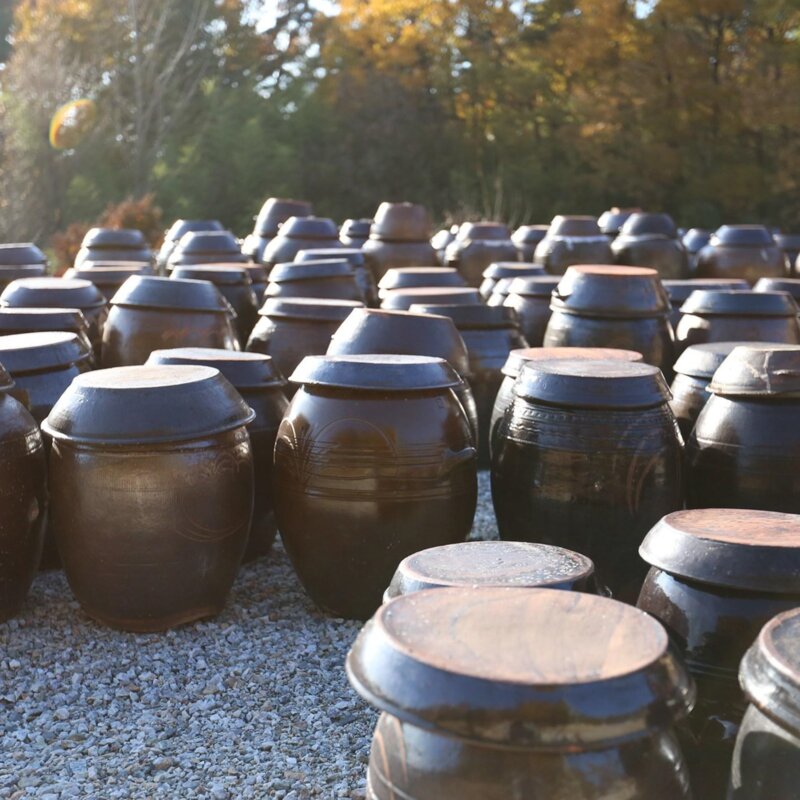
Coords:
741,251
291,328
476,246
206,247
789,243
113,244
530,298
261,386
151,476
399,237
589,457
301,233
441,239
23,487
522,565
418,277
34,320
374,461
789,285
651,240
572,240
526,238
717,575
403,299
610,222
506,269
234,284
150,313
333,280
354,232
354,257
274,212
679,292
108,279
473,711
176,233
621,307
744,451
766,760
694,240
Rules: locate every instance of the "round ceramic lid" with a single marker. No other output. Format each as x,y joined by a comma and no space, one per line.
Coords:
182,226
409,277
759,369
402,298
703,360
517,358
136,405
576,226
679,290
524,667
277,210
731,547
309,228
219,275
537,286
500,563
309,308
646,225
148,291
42,319
52,292
310,270
358,228
512,269
473,316
201,242
748,304
243,369
695,239
401,222
114,239
19,254
352,255
106,276
770,671
790,285
41,350
612,220
588,383
384,373
529,234
742,236
492,231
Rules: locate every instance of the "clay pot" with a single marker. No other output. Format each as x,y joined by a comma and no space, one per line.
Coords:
441,239
790,244
364,279
151,476
572,240
261,386
176,233
767,753
234,284
679,292
530,298
741,251
472,711
651,240
373,462
399,237
113,244
206,247
506,269
526,238
589,457
513,564
403,299
108,279
490,334
727,316
301,233
716,577
33,320
274,212
354,232
23,476
334,280
476,246
789,285
291,328
694,240
621,307
21,254
149,313
744,451
610,222
418,277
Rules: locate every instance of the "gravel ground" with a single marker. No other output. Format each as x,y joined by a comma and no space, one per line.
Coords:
253,704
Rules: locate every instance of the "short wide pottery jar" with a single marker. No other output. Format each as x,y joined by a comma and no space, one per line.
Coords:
403,299
766,761
498,270
716,576
334,280
530,298
20,260
741,251
491,693
589,457
300,233
790,285
176,232
572,240
679,292
35,320
373,461
354,232
744,451
526,238
274,212
206,247
478,244
151,484
621,307
354,257
399,237
113,244
651,240
23,499
418,277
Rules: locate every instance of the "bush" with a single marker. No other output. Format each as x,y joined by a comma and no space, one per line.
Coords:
142,214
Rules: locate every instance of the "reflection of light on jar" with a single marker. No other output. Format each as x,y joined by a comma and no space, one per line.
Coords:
71,123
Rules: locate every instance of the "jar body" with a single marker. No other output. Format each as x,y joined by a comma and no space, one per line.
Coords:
365,478
471,257
689,395
381,256
666,256
152,536
555,255
749,263
534,314
699,329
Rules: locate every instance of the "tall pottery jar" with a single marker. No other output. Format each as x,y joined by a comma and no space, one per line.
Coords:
572,240
399,237
741,251
651,240
478,244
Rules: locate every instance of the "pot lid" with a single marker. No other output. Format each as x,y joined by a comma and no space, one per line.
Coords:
401,222
642,224
356,228
679,290
414,277
735,548
244,370
573,226
512,269
695,239
310,270
498,563
770,670
182,226
204,242
588,383
759,369
149,291
20,254
503,287
493,231
787,241
790,285
309,228
529,234
703,360
218,274
612,220
450,295
711,302
742,236
106,276
350,254
381,372
535,286
588,671
314,308
42,319
52,292
275,211
31,352
468,317
8,273
518,358
114,239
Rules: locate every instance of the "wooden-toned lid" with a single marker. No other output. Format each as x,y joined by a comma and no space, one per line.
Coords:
523,667
703,360
244,370
735,548
309,308
517,358
41,351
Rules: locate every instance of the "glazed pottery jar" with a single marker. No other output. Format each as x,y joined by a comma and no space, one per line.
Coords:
373,461
418,277
472,710
403,333
741,251
766,760
478,244
206,247
727,316
694,240
234,284
589,457
274,212
744,451
515,564
518,358
301,233
261,386
108,279
651,240
506,269
176,233
23,481
717,575
530,298
526,238
113,244
610,222
334,280
403,299
441,239
20,260
354,257
679,292
399,237
354,232
151,313
572,240
33,320
790,244
291,328
790,285
619,307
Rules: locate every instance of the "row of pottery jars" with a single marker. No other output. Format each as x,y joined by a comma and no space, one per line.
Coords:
300,233
373,461
399,237
273,213
716,576
418,278
610,222
113,244
354,257
472,711
441,239
20,260
572,240
679,291
651,240
334,280
502,270
176,233
206,247
353,233
478,244
741,251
